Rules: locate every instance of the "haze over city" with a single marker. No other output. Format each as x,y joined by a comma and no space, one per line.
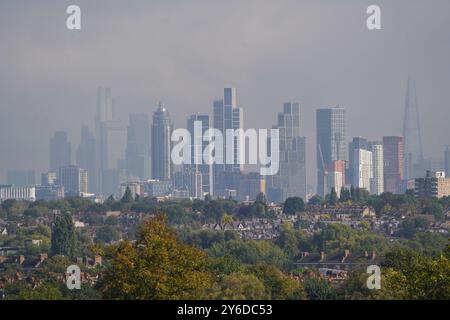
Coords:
315,52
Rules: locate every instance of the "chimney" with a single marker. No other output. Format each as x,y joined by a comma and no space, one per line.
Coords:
43,257
21,259
346,253
98,260
373,255
322,256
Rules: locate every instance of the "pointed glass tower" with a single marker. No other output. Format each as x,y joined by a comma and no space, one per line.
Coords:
411,133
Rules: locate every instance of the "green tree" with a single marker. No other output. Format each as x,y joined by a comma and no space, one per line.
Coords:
241,286
292,205
64,236
333,197
127,196
319,289
157,267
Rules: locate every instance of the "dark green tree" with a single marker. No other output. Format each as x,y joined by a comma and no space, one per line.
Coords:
333,197
63,236
127,197
293,205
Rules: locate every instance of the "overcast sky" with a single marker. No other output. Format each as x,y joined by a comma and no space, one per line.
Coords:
316,52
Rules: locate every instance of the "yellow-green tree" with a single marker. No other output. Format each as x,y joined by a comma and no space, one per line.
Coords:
156,267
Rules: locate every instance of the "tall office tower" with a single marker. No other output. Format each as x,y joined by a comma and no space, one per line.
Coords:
414,162
330,128
336,176
357,143
377,184
60,151
138,161
393,153
21,178
161,144
291,178
197,148
227,116
86,156
111,139
74,180
362,168
447,161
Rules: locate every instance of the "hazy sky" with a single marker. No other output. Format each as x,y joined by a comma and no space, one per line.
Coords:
316,52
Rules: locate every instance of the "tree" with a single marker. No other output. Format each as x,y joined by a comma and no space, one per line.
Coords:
127,196
157,267
279,285
293,205
353,193
436,210
261,198
333,197
345,195
319,289
315,200
64,236
241,286
46,291
288,241
409,275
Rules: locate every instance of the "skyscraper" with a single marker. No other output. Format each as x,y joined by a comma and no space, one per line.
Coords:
362,168
447,161
357,143
393,154
74,180
377,184
161,144
227,116
197,151
330,128
138,161
414,166
60,151
291,178
111,140
86,156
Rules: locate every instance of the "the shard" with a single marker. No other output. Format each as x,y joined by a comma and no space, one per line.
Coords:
411,133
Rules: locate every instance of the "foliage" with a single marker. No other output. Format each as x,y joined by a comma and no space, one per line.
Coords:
63,236
156,267
293,205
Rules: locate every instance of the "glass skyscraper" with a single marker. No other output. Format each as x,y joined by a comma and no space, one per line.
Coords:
331,145
161,144
291,178
138,161
197,152
227,115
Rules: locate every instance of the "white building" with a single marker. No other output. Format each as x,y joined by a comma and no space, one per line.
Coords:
17,193
362,168
377,183
335,180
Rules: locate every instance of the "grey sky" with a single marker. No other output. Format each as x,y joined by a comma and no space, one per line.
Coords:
317,52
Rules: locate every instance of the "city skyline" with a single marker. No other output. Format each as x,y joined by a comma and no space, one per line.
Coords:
376,66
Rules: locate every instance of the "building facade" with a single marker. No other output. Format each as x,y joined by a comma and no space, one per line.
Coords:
227,116
74,180
393,154
331,142
161,144
291,178
60,151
